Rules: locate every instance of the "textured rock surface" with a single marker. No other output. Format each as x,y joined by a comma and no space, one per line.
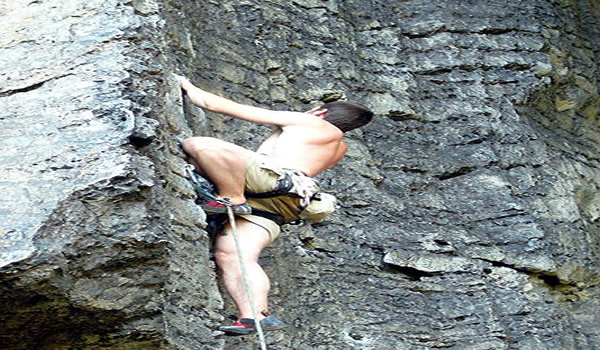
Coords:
470,207
99,241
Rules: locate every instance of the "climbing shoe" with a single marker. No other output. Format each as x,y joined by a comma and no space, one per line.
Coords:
216,207
240,327
245,326
272,323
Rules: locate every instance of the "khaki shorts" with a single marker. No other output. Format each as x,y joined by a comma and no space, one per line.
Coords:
262,175
270,226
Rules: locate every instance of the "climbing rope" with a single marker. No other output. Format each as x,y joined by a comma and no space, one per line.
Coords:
203,189
249,295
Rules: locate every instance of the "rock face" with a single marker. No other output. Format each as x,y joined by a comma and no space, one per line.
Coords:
470,207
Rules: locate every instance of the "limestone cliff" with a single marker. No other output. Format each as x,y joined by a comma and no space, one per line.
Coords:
470,207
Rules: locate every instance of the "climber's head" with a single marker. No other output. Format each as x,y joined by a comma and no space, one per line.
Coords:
345,116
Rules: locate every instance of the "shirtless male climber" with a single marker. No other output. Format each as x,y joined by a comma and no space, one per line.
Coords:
302,146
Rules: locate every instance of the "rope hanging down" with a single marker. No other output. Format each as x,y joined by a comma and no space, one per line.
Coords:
249,295
203,189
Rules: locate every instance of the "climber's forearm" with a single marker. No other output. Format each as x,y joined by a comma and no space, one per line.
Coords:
218,104
205,99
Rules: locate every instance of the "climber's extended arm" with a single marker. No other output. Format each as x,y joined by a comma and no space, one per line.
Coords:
214,103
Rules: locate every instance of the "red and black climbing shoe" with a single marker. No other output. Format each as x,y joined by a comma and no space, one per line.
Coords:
217,208
242,326
245,326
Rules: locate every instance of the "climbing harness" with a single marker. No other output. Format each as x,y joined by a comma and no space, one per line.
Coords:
291,183
284,185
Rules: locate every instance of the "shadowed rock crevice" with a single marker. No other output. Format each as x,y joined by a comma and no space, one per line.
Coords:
24,89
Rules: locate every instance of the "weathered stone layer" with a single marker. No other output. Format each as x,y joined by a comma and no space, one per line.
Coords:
470,209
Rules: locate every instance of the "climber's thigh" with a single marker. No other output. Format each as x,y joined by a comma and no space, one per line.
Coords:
201,147
252,240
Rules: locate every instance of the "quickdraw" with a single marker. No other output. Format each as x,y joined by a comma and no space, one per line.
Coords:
204,189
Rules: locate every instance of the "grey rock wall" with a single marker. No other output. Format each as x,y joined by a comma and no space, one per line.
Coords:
469,211
101,244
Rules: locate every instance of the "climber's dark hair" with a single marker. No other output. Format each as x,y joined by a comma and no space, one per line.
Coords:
346,116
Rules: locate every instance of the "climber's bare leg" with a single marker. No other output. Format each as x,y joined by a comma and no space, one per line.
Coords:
252,240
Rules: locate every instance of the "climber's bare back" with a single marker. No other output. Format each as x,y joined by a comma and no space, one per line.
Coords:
308,148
